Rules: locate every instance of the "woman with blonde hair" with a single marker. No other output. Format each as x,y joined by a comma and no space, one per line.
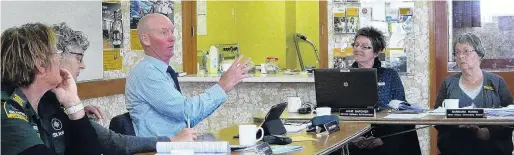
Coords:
31,67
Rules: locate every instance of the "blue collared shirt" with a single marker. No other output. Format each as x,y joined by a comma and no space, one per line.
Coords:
157,108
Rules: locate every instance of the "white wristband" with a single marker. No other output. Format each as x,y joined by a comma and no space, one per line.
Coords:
74,109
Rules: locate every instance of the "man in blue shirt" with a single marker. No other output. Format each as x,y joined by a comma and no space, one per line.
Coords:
155,102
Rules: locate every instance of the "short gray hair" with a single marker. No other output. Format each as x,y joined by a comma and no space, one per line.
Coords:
471,39
69,38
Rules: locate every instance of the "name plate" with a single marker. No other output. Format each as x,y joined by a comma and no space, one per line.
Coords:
331,127
263,148
465,113
357,112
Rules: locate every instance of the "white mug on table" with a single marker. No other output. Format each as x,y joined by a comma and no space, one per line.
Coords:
247,134
451,103
293,104
322,111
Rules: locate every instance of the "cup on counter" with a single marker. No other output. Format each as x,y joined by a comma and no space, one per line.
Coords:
451,103
322,111
293,104
247,134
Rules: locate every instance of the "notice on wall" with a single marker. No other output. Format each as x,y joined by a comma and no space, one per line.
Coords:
201,18
202,24
112,60
134,41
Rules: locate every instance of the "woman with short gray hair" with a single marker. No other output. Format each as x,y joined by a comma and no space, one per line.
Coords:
476,89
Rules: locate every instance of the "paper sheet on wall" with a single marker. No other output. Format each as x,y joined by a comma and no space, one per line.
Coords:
201,7
112,60
202,24
382,26
134,41
379,11
340,21
365,17
397,36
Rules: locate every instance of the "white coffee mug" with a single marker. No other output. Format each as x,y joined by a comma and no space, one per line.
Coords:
247,134
451,103
293,104
322,111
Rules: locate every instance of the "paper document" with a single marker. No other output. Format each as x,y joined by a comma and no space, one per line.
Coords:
405,116
301,138
295,128
278,149
198,147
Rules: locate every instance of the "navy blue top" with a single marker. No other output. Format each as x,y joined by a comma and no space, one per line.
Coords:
390,86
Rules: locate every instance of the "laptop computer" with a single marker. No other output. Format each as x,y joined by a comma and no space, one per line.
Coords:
346,88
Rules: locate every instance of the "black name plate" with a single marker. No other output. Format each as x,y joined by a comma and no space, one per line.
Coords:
264,148
357,112
331,127
465,113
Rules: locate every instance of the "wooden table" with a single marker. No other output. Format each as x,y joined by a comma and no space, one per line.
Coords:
323,145
379,119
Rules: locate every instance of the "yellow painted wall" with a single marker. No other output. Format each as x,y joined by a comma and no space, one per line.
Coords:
221,25
261,30
307,22
291,58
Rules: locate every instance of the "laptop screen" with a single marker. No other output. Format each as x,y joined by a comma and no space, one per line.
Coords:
353,88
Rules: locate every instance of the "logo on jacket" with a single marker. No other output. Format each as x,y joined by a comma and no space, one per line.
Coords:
56,124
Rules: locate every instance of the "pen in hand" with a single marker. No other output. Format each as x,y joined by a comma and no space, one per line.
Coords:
188,121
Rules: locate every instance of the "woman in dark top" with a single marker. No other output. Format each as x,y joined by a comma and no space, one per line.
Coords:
368,43
474,88
30,68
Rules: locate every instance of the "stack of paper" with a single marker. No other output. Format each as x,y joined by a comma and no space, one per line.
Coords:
279,149
503,112
295,128
219,147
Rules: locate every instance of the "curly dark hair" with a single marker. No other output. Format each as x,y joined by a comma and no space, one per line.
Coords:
69,38
376,37
378,42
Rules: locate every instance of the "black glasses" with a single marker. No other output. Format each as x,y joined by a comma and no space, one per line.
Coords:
365,47
465,52
79,56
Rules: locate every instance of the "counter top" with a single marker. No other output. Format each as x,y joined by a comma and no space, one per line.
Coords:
300,78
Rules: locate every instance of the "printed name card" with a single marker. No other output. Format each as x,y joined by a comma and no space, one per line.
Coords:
357,112
331,127
465,113
264,148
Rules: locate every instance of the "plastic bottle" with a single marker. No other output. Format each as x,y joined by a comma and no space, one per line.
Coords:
213,60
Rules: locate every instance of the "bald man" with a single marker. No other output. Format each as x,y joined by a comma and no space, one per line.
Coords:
155,102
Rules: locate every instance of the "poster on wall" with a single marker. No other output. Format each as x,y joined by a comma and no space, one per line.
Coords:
81,16
365,17
352,14
112,26
340,21
396,58
140,8
112,60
